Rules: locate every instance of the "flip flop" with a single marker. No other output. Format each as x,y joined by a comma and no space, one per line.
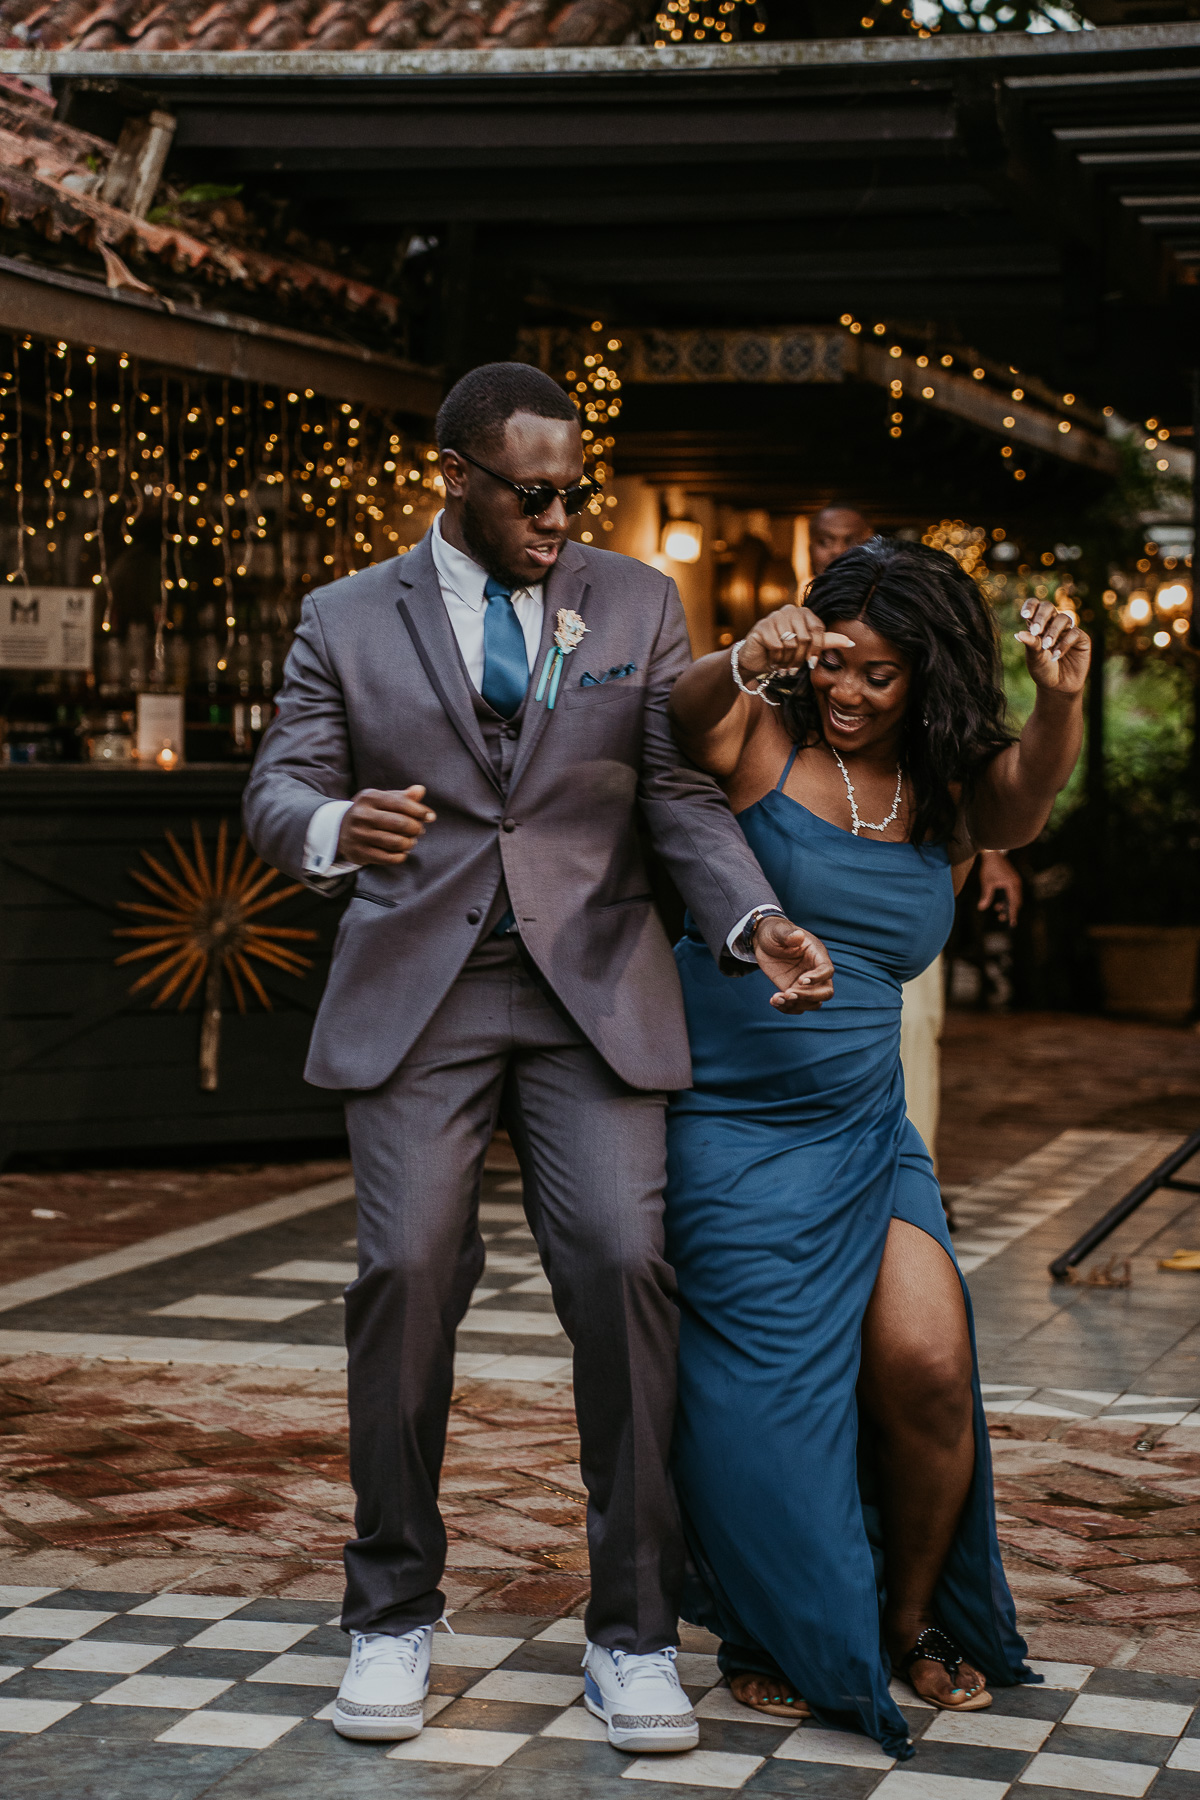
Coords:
933,1645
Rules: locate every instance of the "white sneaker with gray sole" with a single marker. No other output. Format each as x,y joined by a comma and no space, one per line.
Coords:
383,1691
640,1700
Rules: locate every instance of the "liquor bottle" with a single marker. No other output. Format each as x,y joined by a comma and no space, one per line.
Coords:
31,721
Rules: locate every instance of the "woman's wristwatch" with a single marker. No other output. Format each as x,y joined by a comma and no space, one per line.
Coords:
743,944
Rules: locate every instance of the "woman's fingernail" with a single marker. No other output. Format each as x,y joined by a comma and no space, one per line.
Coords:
812,662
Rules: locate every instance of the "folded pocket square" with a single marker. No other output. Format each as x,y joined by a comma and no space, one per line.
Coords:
617,673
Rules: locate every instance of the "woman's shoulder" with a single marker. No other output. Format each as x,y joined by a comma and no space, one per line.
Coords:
764,756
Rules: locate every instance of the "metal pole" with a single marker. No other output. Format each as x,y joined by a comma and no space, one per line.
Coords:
1161,1177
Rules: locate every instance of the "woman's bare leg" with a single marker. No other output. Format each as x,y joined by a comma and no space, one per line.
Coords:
915,1385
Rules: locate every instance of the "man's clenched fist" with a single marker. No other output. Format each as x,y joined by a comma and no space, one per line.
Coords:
383,824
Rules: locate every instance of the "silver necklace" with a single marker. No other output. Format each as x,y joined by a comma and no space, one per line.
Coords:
858,824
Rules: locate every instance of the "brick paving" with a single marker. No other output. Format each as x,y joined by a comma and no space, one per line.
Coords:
49,1217
1010,1081
218,1469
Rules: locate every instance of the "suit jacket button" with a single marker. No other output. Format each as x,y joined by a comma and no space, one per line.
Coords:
510,825
473,916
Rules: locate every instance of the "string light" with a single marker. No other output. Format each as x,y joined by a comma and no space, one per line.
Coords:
594,385
678,20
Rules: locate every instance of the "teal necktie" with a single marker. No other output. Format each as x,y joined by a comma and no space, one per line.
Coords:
505,665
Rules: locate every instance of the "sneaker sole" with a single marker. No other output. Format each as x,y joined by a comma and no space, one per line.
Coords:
377,1730
661,1739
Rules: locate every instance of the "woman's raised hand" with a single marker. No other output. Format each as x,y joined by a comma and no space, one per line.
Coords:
787,639
1057,651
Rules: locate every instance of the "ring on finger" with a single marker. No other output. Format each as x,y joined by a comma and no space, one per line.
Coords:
789,637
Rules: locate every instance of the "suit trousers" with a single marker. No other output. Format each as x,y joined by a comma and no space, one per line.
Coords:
592,1153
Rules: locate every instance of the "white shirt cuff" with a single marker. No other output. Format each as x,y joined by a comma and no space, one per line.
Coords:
321,840
735,934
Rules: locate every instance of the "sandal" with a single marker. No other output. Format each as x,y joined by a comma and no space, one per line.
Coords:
778,1707
933,1645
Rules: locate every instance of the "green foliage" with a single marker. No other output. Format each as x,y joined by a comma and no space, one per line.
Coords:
203,191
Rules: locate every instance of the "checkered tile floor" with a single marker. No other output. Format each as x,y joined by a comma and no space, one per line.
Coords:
119,1696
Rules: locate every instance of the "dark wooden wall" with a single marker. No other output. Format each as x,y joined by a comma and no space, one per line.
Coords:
82,1065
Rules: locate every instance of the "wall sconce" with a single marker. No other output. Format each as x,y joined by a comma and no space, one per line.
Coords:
682,540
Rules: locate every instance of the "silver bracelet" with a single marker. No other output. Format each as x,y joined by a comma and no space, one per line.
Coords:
756,693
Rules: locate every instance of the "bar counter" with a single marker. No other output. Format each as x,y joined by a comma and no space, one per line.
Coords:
85,1065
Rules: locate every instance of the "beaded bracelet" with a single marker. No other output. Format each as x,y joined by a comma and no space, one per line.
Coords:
756,693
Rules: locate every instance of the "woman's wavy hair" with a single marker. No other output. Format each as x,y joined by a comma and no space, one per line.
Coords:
921,601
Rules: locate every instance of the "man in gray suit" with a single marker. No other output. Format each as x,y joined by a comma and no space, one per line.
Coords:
456,750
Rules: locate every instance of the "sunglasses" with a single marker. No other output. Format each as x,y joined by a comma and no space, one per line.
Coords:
535,500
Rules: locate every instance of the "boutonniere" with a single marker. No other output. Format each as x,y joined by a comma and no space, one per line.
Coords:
568,635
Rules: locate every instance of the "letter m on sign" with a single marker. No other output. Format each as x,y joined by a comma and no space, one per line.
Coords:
24,612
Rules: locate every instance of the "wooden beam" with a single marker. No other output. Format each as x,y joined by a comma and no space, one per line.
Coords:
980,405
52,304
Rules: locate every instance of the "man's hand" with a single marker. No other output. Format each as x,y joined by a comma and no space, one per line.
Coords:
383,825
796,962
999,883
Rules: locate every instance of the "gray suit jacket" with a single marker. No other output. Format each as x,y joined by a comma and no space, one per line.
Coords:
376,695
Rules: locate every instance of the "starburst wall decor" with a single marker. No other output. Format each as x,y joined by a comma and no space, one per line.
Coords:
205,932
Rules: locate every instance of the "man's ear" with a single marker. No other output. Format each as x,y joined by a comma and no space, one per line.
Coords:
454,472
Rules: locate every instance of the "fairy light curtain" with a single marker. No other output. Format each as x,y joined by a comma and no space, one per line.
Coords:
250,483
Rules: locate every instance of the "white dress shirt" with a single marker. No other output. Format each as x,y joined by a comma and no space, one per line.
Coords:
461,580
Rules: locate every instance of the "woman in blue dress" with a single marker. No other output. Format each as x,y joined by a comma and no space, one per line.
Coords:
831,1448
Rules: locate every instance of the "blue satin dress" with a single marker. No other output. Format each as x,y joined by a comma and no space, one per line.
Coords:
788,1161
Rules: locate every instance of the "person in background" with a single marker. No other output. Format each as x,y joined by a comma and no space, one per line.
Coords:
832,531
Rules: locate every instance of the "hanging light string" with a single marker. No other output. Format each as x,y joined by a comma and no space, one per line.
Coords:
48,439
180,490
286,534
164,580
68,431
19,573
122,431
226,545
248,484
106,622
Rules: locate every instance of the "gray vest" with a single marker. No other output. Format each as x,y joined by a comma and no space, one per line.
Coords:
501,737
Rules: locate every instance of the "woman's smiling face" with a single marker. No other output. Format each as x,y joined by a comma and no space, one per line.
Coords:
862,693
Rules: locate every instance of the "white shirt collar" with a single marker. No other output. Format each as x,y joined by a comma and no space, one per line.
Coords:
462,576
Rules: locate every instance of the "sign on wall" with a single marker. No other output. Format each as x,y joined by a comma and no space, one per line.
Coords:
46,628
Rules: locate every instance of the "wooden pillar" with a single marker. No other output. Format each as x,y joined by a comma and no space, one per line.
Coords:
1194,628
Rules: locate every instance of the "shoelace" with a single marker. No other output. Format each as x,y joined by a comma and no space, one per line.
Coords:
372,1646
658,1662
378,1645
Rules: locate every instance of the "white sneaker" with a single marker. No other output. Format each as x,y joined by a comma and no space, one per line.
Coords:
383,1690
640,1699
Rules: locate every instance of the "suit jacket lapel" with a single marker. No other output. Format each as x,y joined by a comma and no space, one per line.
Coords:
424,612
566,587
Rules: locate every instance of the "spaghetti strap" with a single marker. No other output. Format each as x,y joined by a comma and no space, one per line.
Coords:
787,769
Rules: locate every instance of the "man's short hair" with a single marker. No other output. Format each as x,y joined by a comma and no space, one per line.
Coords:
477,408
